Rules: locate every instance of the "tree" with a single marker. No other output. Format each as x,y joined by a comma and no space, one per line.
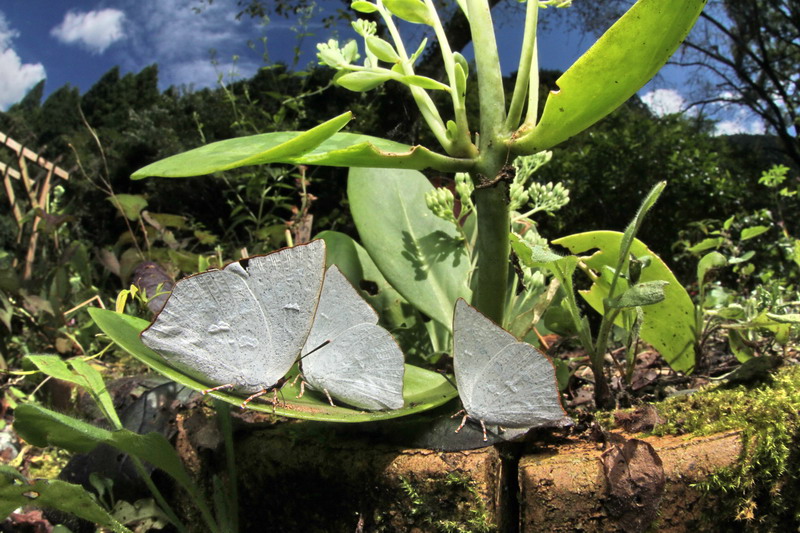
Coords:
746,51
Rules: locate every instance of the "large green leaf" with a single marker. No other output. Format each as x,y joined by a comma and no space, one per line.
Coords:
422,389
358,267
42,427
16,492
421,255
319,146
668,325
626,57
81,374
251,150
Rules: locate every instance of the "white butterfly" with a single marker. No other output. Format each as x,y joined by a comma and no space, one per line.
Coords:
501,381
244,326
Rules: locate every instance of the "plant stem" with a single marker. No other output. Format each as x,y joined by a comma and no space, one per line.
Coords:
223,410
528,63
423,100
462,144
492,248
160,500
490,78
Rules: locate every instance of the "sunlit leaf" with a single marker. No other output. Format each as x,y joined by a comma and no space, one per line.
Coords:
626,57
669,325
421,255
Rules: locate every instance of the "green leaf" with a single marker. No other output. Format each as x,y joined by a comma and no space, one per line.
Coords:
363,80
788,318
363,7
705,244
707,263
668,325
383,50
747,256
422,389
425,83
168,220
252,150
16,492
81,374
422,256
641,294
531,255
751,232
339,150
563,269
461,82
410,10
739,347
130,205
626,57
42,427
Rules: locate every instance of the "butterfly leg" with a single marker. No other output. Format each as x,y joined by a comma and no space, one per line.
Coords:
463,420
483,426
219,387
330,400
252,397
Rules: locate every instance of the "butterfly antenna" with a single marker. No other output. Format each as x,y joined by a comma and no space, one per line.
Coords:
315,349
446,376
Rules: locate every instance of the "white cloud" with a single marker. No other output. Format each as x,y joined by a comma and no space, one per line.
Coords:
172,34
664,101
94,30
199,73
741,123
16,77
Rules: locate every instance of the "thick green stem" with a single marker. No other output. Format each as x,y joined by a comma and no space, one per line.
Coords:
492,248
490,78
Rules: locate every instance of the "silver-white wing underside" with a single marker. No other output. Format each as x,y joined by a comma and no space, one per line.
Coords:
361,365
218,327
500,380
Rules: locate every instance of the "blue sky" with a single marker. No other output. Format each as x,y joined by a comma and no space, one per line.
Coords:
76,41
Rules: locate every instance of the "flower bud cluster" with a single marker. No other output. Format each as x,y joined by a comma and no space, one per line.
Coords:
441,202
464,188
548,197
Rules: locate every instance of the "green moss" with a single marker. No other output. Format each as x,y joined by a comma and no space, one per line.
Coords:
762,491
433,500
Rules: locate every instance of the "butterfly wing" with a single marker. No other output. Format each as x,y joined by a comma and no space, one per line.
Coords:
506,382
474,344
287,286
517,389
219,327
212,328
361,365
